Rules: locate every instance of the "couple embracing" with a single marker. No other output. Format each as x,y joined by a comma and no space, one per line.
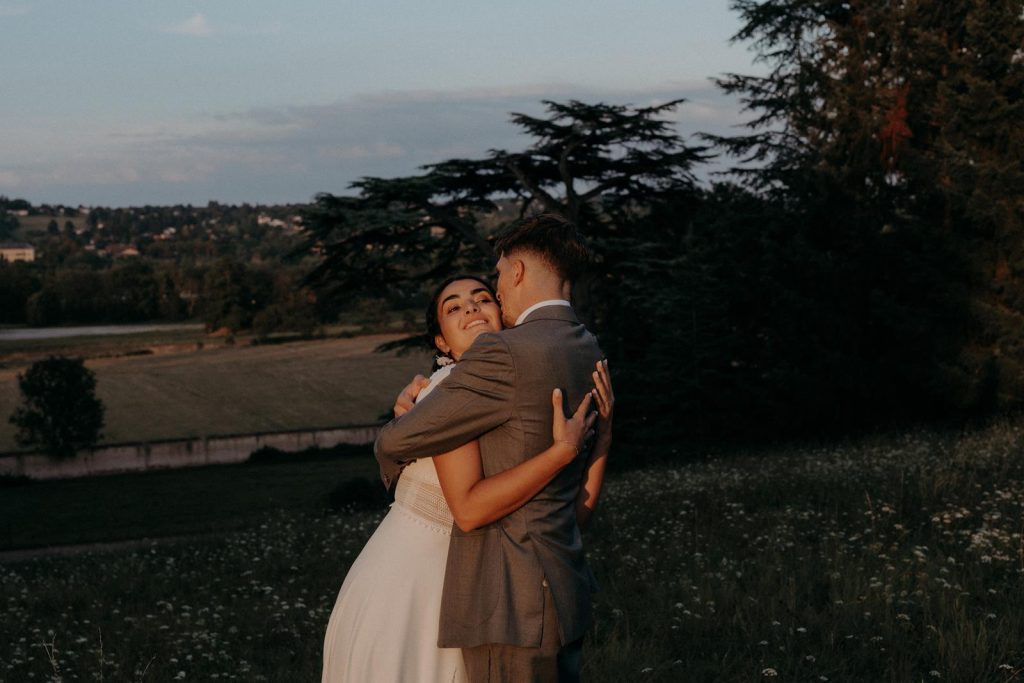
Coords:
477,573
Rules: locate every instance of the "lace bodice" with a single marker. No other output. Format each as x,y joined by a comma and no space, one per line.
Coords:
418,490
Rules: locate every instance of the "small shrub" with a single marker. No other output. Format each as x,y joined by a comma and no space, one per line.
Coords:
60,412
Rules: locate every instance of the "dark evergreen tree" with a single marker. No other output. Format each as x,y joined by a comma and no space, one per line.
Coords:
875,126
602,166
597,164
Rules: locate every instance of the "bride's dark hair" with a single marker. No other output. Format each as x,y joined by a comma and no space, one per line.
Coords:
434,323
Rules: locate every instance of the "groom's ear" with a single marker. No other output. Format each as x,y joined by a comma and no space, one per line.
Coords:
518,270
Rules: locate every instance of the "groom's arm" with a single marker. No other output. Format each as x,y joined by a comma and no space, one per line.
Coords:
475,398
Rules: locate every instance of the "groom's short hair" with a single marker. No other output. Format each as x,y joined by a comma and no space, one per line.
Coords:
550,237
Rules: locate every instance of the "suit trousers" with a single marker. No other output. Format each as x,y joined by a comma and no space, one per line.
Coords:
549,663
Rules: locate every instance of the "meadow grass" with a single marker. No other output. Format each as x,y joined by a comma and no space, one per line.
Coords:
894,559
188,501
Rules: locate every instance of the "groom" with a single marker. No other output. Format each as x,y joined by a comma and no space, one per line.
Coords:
516,594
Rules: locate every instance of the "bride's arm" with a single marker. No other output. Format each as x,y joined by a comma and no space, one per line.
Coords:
593,476
476,501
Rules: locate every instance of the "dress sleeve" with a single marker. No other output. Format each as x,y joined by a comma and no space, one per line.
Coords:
475,398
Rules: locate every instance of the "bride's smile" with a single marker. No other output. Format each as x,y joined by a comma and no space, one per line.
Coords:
465,310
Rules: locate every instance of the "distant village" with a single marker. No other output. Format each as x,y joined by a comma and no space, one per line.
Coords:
233,266
118,233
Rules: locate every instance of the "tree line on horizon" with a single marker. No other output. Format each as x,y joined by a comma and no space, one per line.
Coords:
221,264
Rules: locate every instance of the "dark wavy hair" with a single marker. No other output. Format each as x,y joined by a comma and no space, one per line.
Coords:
433,322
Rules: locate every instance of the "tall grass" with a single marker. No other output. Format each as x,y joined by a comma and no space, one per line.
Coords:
898,560
894,560
176,502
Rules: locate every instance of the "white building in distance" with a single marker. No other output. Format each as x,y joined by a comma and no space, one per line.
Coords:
17,251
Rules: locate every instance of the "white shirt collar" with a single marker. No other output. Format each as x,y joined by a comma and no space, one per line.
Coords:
541,304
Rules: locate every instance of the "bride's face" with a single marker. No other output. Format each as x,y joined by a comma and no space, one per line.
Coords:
465,310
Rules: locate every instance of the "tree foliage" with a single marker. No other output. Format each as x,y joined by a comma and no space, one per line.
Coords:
17,283
888,136
596,164
8,224
60,411
606,167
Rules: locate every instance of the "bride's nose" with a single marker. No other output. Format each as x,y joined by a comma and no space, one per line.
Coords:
472,307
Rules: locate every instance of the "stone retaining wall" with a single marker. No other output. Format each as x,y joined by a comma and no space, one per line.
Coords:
214,450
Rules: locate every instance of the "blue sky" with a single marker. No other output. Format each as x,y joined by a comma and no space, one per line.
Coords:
118,102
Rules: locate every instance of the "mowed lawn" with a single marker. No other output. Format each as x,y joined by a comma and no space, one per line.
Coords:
895,559
240,390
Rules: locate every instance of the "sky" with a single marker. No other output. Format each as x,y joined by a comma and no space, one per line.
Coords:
131,102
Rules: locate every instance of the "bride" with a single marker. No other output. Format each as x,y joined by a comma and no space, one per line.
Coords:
384,626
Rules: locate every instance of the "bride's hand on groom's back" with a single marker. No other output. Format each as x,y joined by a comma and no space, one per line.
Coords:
407,398
605,402
577,430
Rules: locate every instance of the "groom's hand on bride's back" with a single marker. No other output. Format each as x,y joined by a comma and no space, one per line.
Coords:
407,398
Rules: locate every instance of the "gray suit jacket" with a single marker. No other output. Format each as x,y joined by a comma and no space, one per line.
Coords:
500,392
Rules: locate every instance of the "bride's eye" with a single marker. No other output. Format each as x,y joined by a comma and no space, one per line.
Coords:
453,308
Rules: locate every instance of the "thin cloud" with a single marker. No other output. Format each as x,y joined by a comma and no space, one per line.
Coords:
196,26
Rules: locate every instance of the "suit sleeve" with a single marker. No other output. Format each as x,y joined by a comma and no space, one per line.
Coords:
475,398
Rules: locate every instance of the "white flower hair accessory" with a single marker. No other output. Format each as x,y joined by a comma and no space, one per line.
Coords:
442,361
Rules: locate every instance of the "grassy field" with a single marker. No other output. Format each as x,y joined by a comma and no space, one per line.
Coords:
32,227
188,501
896,559
236,389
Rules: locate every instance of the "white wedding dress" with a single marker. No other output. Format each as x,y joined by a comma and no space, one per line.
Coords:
384,624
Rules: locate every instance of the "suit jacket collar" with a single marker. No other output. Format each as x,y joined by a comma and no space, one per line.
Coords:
551,313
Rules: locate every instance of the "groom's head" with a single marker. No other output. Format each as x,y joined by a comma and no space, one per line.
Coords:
538,259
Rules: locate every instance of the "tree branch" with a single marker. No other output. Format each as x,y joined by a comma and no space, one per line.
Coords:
571,199
450,222
545,199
